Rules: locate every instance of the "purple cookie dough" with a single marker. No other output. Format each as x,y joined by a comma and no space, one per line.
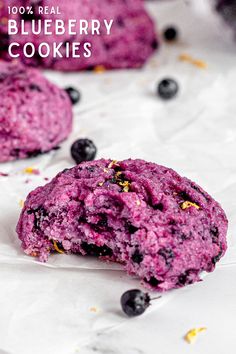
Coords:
35,115
130,44
162,227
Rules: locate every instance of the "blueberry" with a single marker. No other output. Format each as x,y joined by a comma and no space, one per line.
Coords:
96,251
227,9
170,34
137,257
158,206
134,302
167,88
83,150
73,94
214,232
167,254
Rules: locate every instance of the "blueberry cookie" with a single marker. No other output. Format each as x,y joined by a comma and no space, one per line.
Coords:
163,228
131,42
35,115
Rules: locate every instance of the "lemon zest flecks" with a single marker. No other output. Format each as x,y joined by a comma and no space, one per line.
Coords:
125,185
191,335
187,204
201,64
21,203
57,248
99,69
94,309
31,171
33,254
113,163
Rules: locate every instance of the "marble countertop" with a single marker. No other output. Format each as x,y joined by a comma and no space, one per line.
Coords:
71,305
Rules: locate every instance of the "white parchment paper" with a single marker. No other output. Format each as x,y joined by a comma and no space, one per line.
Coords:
71,304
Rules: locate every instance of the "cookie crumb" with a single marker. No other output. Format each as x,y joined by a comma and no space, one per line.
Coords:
190,336
138,202
2,174
187,204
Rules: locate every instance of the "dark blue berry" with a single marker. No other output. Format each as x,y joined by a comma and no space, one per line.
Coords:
137,257
83,150
167,89
214,231
134,302
170,34
96,251
73,94
227,9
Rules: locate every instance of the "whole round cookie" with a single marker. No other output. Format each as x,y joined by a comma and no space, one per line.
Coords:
130,43
35,115
162,227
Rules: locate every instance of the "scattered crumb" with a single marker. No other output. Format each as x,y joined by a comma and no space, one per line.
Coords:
21,203
100,184
196,62
31,171
2,174
187,204
138,202
46,179
27,181
106,170
191,335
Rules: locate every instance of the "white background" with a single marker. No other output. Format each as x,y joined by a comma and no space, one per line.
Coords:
46,308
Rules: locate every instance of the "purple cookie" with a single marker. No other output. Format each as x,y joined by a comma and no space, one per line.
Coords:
162,227
35,115
130,44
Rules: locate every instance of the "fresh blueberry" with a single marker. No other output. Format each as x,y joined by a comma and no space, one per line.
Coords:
137,257
170,34
134,302
73,94
83,150
227,9
167,89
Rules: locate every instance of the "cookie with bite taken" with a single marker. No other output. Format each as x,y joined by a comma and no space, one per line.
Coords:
162,227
